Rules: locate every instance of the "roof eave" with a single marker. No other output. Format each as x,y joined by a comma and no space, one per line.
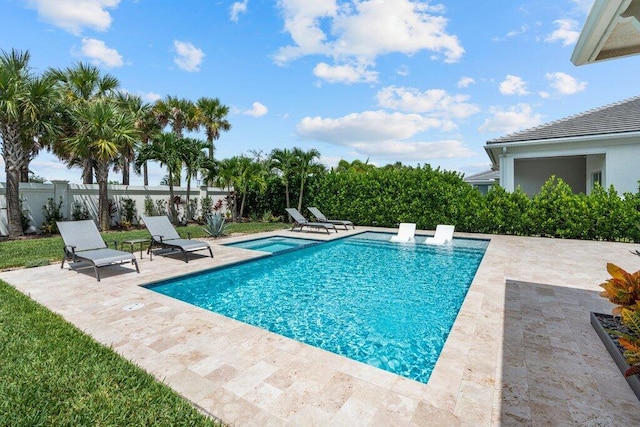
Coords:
600,23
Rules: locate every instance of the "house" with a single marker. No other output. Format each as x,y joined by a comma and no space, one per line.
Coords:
599,146
483,180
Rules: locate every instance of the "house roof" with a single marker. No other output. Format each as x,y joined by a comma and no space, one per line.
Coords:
621,117
483,177
612,30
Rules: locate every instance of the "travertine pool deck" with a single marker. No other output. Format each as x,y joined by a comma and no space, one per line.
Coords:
521,352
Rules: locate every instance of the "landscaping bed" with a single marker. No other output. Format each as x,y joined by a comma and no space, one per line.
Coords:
603,324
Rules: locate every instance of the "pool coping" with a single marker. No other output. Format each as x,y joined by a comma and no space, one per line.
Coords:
245,375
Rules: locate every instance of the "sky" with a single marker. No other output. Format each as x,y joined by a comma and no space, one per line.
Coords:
419,82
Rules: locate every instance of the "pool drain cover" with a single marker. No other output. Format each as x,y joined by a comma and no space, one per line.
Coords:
134,306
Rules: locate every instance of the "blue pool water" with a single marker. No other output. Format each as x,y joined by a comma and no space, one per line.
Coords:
274,244
386,304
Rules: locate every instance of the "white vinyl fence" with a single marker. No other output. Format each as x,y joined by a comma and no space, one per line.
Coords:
36,196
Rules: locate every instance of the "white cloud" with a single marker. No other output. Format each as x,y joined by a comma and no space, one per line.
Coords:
383,135
564,84
436,102
368,125
74,15
344,73
513,85
344,32
257,110
567,32
237,9
514,118
466,82
99,53
188,56
150,96
402,70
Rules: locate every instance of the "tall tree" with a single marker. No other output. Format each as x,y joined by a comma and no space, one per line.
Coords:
249,174
282,161
26,102
211,114
103,129
179,114
193,158
166,149
147,125
82,84
305,166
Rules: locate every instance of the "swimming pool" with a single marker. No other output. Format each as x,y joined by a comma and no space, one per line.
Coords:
274,244
385,304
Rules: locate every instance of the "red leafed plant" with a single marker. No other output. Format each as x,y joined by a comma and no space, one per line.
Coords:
622,288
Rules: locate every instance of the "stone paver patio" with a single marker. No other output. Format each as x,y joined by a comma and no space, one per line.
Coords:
521,352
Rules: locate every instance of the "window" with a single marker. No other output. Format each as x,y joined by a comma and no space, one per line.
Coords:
596,178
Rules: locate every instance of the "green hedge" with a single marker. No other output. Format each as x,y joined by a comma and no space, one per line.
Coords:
387,196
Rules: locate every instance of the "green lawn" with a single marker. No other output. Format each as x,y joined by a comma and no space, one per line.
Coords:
33,252
53,374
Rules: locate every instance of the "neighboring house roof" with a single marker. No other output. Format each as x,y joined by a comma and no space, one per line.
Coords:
621,117
612,30
485,177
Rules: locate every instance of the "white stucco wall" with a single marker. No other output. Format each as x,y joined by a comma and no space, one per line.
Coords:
623,168
618,158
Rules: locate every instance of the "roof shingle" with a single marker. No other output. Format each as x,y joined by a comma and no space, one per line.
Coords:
620,117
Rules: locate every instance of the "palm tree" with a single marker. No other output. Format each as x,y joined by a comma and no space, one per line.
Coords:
283,162
179,114
103,129
227,178
305,166
248,174
193,158
81,84
211,114
25,103
166,149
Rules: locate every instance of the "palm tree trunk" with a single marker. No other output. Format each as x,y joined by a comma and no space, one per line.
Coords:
87,171
125,171
172,206
102,175
12,153
188,208
244,197
286,196
301,194
145,172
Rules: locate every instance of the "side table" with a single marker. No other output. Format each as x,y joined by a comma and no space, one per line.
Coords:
141,242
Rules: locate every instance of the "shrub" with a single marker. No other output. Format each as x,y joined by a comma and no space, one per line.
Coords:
79,211
148,206
52,213
129,211
25,220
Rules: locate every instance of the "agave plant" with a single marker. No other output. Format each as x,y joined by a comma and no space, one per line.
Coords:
622,288
215,224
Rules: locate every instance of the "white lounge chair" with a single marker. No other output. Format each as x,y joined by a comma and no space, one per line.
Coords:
320,217
444,234
164,234
84,247
300,222
406,233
